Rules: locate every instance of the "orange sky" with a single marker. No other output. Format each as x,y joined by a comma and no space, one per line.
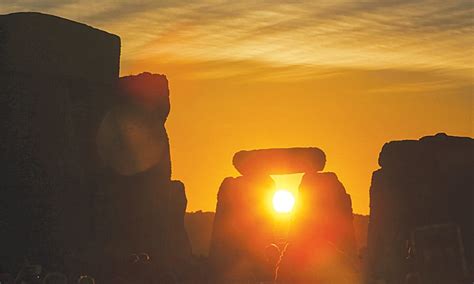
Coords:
340,75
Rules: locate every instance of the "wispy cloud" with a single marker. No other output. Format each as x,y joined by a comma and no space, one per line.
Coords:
342,34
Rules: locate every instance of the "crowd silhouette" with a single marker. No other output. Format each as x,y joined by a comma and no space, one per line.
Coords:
140,269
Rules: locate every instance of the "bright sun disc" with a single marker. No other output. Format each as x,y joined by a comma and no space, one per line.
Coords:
283,201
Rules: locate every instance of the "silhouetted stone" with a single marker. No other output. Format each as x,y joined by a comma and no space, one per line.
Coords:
279,161
43,45
321,243
324,211
242,228
179,247
142,211
148,90
132,137
85,158
57,77
146,212
245,223
421,183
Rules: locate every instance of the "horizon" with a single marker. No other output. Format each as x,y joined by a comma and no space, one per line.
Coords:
346,77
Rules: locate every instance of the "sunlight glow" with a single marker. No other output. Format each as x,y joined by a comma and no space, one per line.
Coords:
283,201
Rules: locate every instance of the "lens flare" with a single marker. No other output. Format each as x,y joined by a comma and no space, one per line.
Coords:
283,201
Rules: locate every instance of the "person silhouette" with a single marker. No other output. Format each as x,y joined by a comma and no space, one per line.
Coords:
272,257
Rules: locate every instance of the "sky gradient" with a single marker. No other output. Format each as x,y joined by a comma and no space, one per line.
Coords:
340,75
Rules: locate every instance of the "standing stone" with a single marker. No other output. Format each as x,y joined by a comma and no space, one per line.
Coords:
242,228
321,247
57,77
147,207
86,168
132,137
421,183
325,211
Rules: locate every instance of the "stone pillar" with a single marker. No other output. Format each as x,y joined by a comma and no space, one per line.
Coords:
242,228
148,215
322,245
420,183
57,78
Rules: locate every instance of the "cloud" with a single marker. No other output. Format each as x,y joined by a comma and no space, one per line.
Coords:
340,34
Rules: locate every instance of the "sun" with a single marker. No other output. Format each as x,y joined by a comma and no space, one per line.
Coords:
283,201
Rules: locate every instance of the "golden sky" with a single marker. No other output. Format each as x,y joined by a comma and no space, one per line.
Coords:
345,76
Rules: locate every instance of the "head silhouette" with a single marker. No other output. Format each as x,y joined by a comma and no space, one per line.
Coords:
133,258
144,257
272,253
